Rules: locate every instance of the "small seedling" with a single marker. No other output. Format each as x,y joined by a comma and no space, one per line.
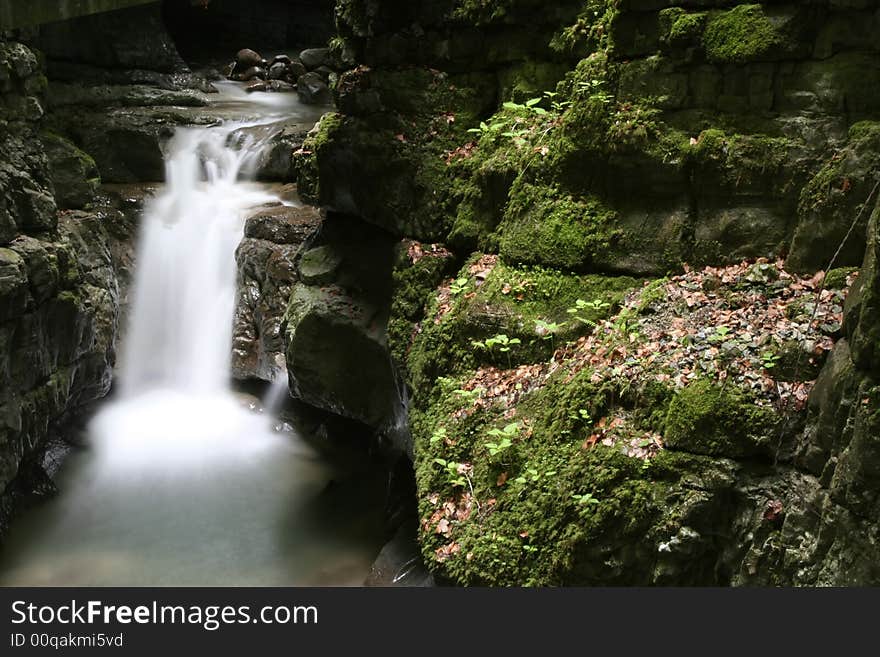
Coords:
720,335
581,307
770,360
458,286
501,341
453,474
504,437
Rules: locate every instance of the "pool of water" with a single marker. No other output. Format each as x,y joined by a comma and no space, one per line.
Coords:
216,494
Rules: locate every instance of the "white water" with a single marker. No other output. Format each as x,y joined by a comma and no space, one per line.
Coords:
183,483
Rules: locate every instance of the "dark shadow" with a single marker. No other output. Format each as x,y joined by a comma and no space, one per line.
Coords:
215,31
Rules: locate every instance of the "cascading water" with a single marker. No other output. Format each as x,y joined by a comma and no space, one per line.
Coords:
184,298
182,483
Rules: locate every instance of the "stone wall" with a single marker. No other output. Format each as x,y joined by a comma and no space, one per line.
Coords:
58,288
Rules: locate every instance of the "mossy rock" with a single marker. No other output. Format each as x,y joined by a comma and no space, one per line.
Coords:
527,304
832,199
413,284
708,419
742,34
543,226
680,28
74,174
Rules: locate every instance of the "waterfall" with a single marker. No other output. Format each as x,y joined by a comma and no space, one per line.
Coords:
174,385
184,293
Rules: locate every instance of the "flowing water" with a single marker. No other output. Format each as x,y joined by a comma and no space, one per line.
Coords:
180,482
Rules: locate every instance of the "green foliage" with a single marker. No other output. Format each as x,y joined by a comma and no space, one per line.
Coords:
458,286
452,471
769,359
582,309
504,438
501,341
742,34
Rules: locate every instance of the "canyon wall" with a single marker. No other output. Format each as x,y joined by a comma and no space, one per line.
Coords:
626,362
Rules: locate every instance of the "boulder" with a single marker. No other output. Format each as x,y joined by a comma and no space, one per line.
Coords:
313,90
246,58
278,71
337,353
313,58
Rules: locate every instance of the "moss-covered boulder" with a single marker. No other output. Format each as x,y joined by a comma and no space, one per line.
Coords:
705,418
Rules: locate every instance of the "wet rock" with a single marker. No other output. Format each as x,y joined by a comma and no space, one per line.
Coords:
75,176
325,72
296,70
281,59
247,58
313,58
130,39
251,73
281,86
278,71
257,86
313,90
266,273
400,563
337,354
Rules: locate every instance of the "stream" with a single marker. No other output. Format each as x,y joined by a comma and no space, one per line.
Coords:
182,480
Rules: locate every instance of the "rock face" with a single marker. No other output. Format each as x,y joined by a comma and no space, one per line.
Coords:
337,353
58,289
266,275
705,135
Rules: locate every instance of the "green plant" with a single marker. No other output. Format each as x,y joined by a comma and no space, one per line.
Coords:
585,498
558,106
502,341
454,472
458,286
531,105
439,435
581,307
505,438
468,396
720,334
548,330
770,359
533,476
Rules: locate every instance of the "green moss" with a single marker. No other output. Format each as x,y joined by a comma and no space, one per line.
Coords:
592,31
742,34
705,418
678,27
413,284
836,278
739,160
515,301
306,160
865,131
543,226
